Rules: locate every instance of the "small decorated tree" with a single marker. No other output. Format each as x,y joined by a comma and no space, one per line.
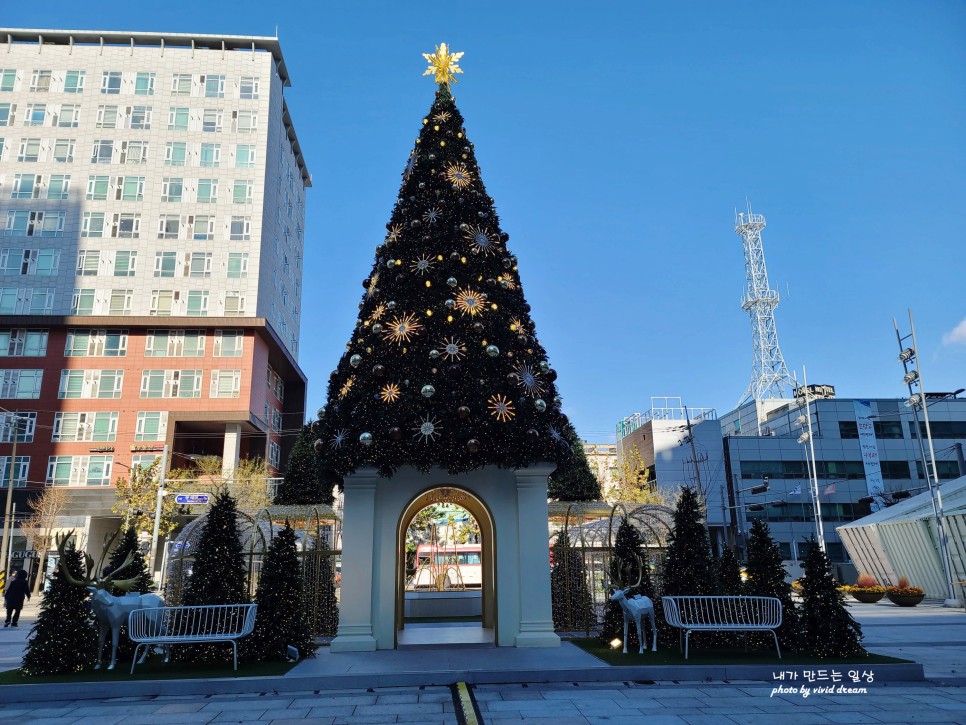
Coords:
573,480
64,637
137,569
688,569
281,618
630,562
766,578
828,630
218,575
303,482
572,605
729,574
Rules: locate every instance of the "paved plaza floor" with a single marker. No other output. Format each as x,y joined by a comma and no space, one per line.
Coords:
929,633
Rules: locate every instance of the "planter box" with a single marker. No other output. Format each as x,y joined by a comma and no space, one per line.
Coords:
905,600
444,604
867,597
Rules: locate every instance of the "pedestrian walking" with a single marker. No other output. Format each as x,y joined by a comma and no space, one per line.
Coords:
14,596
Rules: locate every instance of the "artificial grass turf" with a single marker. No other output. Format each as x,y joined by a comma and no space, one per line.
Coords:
155,669
671,655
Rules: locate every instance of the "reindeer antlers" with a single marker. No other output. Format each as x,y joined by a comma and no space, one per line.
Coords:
610,584
90,577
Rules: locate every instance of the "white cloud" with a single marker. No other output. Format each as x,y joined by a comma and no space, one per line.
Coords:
957,336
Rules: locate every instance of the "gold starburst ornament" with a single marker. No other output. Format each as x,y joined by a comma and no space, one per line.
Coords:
402,328
501,408
443,65
390,393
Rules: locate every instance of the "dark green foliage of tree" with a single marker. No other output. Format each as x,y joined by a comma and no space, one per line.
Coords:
766,578
828,630
280,620
572,604
218,573
407,390
304,479
138,568
729,574
630,562
573,480
64,637
688,568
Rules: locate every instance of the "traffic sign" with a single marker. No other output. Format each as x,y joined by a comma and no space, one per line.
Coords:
192,499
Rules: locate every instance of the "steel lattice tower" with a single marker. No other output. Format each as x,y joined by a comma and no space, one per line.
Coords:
769,374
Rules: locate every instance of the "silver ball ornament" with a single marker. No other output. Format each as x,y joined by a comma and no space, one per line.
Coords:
355,360
433,354
377,328
492,350
318,445
452,282
428,391
544,366
366,439
391,305
450,304
540,405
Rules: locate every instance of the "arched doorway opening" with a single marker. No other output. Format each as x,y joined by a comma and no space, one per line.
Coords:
447,584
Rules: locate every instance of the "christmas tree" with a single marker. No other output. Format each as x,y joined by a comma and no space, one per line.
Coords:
218,573
64,637
828,630
303,483
766,578
629,562
573,480
571,603
280,620
729,574
444,367
137,569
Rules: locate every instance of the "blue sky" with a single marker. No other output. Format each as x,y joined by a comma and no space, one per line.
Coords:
617,140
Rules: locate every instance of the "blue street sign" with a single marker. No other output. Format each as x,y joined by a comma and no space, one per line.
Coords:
190,499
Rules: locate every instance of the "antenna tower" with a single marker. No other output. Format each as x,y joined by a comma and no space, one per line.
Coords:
769,374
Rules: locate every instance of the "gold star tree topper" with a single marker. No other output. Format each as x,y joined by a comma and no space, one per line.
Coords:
443,64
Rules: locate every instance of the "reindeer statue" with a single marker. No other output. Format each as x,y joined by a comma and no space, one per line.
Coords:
111,611
635,608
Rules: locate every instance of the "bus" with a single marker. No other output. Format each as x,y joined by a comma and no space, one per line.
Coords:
440,568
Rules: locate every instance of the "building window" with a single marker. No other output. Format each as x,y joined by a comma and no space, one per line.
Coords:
132,188
69,116
171,384
241,229
276,420
144,84
248,88
29,150
87,262
237,265
134,152
26,186
79,470
172,189
97,189
204,228
225,384
141,118
74,81
20,384
228,343
6,113
78,427
274,454
174,343
199,265
96,343
82,302
181,84
151,426
169,226
8,77
246,121
58,187
25,425
165,264
245,156
121,301
40,81
161,301
93,224
175,153
198,303
36,114
23,343
178,119
207,191
63,150
234,304
111,82
242,191
106,117
214,86
144,460
211,120
125,263
210,155
20,478
102,152
16,224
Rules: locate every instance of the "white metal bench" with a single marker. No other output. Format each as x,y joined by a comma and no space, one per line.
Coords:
168,626
725,614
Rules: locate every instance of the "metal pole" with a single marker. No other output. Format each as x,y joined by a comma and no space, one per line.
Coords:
934,492
7,520
157,511
817,502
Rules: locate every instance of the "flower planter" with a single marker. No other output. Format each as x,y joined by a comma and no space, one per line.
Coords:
905,600
866,596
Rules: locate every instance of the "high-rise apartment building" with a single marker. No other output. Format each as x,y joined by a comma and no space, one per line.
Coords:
152,205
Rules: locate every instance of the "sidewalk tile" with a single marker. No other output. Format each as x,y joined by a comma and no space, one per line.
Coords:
174,707
332,711
304,721
288,713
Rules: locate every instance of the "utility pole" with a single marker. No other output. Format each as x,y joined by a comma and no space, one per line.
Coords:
157,511
7,518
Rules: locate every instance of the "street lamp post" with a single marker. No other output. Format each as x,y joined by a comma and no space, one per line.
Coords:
807,437
7,543
913,378
157,511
